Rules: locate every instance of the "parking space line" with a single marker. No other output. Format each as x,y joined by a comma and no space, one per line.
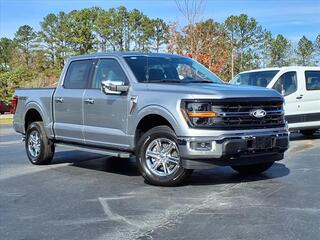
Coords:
18,170
10,142
114,216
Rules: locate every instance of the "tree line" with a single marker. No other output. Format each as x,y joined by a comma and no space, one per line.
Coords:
35,58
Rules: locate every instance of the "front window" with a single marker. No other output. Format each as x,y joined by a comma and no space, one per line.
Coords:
108,70
260,78
170,70
287,83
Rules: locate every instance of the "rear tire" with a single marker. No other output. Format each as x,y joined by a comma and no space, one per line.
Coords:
40,149
158,157
308,132
252,169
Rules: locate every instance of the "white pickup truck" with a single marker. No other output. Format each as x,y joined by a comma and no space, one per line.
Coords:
300,87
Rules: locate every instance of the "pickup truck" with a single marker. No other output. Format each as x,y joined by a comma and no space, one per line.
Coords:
169,111
300,87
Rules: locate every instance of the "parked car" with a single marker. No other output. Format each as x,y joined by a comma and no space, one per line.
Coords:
300,87
4,107
168,110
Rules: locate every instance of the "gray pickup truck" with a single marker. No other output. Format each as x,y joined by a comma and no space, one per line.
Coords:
169,111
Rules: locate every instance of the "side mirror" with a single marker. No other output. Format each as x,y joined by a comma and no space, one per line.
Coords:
114,87
280,89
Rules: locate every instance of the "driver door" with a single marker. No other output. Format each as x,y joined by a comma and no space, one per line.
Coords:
287,85
105,116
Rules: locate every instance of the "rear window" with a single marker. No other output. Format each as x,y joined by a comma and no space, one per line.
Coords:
77,74
312,80
261,78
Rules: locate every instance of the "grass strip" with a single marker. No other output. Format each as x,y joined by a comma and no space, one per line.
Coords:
6,120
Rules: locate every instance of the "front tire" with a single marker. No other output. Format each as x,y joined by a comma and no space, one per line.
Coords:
40,149
252,169
158,157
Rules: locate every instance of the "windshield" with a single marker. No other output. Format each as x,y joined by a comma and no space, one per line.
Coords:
170,70
261,78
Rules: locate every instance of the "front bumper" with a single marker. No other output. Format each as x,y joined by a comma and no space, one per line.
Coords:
234,149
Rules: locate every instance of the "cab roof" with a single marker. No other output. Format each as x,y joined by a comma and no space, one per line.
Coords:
125,54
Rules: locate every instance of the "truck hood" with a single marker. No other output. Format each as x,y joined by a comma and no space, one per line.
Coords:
218,91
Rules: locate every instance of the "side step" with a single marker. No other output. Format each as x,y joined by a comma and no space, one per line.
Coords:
112,153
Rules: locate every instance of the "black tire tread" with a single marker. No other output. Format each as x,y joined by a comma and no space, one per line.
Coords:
150,179
47,149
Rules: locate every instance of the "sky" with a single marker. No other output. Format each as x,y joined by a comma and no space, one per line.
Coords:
292,18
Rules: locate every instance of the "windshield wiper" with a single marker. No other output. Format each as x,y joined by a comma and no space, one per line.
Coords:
199,81
165,81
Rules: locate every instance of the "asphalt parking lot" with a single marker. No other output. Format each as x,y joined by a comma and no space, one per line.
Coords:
88,196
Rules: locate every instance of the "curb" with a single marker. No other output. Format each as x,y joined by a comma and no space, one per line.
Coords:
6,116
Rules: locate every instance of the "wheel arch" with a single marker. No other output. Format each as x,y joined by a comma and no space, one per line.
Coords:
34,112
152,117
32,115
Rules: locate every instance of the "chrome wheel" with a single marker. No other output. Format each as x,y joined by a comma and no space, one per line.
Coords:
162,157
34,144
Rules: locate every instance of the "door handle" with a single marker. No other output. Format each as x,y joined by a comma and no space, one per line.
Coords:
59,100
89,101
299,97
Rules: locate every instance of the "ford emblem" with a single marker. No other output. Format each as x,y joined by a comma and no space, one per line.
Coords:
259,113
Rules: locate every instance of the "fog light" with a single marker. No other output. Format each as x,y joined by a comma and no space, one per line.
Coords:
201,146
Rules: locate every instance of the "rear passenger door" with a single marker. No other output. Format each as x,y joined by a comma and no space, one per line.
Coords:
105,116
310,98
68,102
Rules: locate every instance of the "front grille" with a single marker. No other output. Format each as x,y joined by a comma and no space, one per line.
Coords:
237,113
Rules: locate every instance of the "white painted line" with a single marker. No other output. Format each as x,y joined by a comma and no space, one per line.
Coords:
16,170
10,142
114,216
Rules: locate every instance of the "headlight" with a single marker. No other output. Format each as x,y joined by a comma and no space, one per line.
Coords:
198,113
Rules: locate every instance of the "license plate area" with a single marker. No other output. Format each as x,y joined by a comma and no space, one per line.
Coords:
262,142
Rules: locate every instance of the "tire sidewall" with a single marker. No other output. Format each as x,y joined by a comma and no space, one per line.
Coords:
35,127
145,140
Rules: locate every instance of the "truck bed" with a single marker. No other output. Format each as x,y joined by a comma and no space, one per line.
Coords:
36,98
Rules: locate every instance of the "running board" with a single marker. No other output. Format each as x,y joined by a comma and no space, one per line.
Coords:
112,153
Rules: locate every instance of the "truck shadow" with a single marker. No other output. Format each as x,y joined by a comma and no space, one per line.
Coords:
97,162
128,167
225,175
120,166
301,137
